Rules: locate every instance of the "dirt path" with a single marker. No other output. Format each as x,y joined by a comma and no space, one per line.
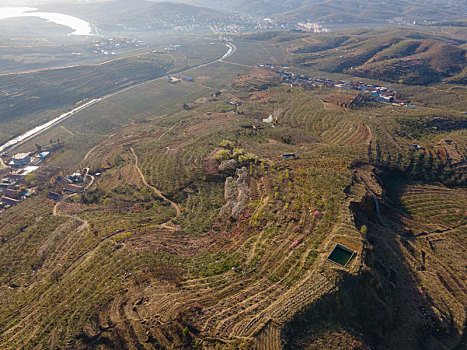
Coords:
99,144
68,131
387,134
158,192
167,131
55,210
268,53
251,255
439,233
370,137
238,64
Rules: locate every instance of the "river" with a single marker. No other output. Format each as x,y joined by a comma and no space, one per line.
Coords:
79,26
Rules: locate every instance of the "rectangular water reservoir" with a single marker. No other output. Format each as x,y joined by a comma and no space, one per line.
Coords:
341,255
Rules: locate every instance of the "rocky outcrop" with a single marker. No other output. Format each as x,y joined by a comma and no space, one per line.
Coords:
227,165
236,194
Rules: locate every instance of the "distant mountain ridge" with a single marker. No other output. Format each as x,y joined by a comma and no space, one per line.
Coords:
167,15
397,55
343,10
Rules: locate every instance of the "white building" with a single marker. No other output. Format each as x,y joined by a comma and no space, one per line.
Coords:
20,159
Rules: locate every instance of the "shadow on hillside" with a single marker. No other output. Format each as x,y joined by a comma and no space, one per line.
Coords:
382,305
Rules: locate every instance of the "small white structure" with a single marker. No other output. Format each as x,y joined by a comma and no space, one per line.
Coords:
173,80
20,159
43,155
28,170
268,120
76,177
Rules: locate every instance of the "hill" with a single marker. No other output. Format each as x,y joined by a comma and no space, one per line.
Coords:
254,206
345,11
371,11
414,62
394,55
143,15
210,228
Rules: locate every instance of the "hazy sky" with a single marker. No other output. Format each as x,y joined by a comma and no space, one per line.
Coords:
36,2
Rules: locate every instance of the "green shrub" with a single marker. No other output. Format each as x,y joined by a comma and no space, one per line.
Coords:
227,144
246,158
186,332
223,154
364,230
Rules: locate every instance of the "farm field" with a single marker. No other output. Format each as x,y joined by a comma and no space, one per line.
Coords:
152,101
215,205
48,93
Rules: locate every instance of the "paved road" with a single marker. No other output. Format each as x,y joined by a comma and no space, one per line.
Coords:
11,144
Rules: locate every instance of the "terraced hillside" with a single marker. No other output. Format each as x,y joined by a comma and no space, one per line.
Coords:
406,56
35,97
211,227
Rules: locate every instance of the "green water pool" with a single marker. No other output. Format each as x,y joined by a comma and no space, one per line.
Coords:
341,255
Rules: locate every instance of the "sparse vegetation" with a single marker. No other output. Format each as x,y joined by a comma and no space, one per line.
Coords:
143,258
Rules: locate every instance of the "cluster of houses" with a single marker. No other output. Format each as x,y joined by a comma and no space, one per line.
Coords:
313,27
111,46
382,93
232,23
14,195
72,184
23,161
13,188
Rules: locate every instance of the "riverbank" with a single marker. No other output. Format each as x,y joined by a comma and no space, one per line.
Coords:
79,26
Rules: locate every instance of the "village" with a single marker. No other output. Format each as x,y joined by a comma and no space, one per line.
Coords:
381,93
313,27
112,46
27,174
230,23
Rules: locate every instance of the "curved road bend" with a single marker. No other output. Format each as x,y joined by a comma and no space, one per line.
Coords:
158,193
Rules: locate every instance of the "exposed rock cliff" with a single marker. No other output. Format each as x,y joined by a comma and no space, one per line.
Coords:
236,194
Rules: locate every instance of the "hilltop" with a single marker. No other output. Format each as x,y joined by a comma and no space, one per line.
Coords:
345,12
394,55
367,11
